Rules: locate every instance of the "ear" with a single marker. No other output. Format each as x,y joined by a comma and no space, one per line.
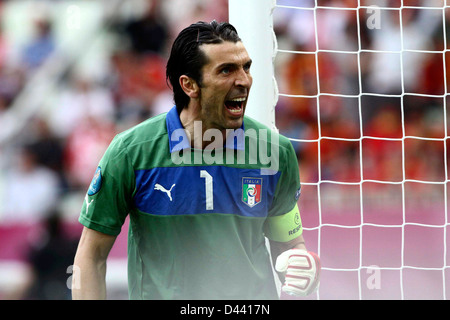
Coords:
189,86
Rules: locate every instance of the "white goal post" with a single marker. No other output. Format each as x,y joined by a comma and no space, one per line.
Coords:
253,20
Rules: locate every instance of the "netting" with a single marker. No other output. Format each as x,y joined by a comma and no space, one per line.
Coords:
363,98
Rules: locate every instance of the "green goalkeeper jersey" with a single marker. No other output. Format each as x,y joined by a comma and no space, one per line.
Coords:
198,218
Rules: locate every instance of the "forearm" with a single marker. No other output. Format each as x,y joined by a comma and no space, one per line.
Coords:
276,248
88,282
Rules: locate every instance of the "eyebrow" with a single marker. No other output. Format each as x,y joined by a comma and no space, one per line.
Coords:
233,65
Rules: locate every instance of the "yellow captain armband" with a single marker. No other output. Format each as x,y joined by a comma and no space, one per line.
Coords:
284,228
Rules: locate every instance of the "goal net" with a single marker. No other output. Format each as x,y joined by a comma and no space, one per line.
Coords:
361,90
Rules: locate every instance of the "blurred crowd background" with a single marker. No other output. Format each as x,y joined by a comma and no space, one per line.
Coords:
75,73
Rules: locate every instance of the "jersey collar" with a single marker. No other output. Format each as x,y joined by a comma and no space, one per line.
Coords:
178,139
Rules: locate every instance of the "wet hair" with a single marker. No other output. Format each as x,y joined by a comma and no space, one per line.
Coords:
186,58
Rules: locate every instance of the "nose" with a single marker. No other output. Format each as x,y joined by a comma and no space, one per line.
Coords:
243,79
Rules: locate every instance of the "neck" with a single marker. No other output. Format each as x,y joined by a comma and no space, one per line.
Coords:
196,126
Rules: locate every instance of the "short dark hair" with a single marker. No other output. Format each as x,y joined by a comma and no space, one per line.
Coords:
186,58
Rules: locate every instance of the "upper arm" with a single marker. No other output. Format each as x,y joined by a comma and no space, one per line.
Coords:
285,227
109,197
285,232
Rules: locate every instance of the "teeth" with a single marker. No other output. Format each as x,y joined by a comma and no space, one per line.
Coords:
237,110
239,99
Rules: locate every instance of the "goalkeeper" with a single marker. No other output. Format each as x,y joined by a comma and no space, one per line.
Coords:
197,230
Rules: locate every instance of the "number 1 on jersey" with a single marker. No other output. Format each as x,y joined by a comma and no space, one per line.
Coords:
208,189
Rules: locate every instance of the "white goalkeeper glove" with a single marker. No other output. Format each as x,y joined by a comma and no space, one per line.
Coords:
302,271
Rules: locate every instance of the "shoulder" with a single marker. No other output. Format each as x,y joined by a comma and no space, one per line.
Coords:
150,134
149,129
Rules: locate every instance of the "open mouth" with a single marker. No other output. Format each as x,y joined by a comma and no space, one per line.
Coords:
235,106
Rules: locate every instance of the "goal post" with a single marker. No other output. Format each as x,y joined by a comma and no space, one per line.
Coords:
254,23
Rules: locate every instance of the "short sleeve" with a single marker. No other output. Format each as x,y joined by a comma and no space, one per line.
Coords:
107,201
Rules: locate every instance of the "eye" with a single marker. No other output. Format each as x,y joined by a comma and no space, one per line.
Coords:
247,67
225,70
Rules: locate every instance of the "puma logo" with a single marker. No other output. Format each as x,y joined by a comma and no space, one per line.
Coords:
88,203
161,188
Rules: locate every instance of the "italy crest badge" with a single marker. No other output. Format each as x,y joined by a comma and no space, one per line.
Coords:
251,191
